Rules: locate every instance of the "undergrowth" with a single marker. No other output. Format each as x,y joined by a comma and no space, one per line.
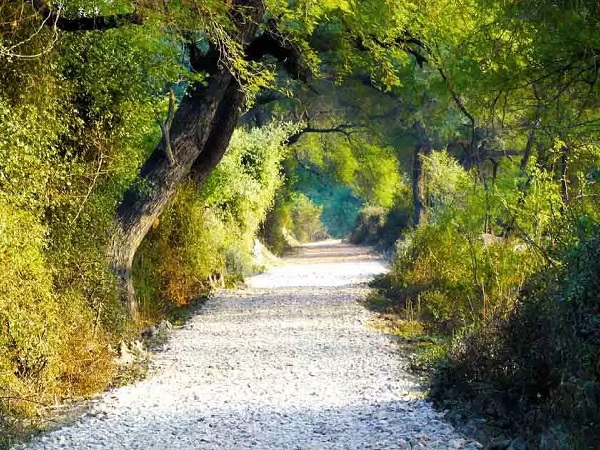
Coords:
505,323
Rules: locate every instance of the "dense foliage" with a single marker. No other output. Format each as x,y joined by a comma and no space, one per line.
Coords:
538,367
68,147
78,115
500,258
462,136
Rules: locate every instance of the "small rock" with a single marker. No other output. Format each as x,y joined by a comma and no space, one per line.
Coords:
125,356
456,443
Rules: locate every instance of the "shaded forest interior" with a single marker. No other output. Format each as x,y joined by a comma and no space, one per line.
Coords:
146,146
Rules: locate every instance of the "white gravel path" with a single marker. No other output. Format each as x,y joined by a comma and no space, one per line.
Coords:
288,363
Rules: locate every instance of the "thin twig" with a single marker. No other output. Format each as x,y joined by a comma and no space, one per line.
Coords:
89,191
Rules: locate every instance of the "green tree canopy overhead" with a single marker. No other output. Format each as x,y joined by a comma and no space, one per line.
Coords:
493,75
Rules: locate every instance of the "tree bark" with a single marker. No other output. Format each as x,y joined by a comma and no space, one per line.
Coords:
158,179
421,149
530,140
224,123
199,134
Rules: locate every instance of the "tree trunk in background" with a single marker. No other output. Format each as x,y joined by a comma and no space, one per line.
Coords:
530,141
422,148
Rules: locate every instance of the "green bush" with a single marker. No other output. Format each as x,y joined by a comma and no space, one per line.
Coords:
30,331
540,365
511,275
77,121
369,225
383,226
275,228
205,237
52,345
455,279
52,330
451,268
306,220
293,220
380,227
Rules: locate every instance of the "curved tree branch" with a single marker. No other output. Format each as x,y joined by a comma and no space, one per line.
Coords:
343,128
272,43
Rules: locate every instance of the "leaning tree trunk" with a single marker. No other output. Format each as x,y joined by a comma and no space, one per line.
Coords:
159,178
225,119
199,133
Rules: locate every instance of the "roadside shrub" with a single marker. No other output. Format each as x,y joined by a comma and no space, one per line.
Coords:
184,256
74,131
540,365
531,366
54,340
368,226
293,220
454,279
306,220
53,347
382,227
463,267
30,322
275,228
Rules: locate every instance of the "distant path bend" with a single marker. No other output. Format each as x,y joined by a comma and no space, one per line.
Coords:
287,363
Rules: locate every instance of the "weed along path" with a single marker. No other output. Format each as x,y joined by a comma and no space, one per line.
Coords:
287,363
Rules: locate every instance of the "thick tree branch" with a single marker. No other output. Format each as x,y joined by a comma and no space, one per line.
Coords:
406,42
456,97
207,63
54,18
271,42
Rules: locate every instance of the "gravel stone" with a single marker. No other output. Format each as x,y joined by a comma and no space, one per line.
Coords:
286,363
